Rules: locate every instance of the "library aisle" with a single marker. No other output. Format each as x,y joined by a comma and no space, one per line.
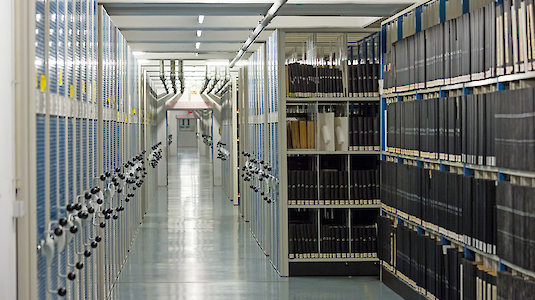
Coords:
193,245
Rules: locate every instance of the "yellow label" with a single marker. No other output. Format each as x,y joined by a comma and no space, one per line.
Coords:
71,91
60,77
108,101
42,84
83,86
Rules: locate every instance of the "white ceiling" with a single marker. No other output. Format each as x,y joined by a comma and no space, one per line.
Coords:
166,29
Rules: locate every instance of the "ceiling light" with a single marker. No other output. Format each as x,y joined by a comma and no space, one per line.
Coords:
201,19
197,45
199,32
138,53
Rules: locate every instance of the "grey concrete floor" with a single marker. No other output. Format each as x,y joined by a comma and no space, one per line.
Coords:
194,245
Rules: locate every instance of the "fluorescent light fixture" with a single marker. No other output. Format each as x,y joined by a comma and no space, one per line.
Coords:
199,32
138,53
201,19
197,45
143,61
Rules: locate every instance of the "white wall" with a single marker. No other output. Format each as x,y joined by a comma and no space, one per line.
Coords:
186,138
8,254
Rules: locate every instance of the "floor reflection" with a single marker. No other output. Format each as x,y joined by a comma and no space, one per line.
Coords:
193,245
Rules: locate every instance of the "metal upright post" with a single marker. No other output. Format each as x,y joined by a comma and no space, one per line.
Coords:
100,147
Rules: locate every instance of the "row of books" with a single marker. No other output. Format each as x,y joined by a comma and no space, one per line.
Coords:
456,128
478,281
435,270
512,286
306,80
302,185
488,41
463,205
301,134
515,130
494,129
333,185
303,238
423,260
516,224
335,239
365,184
363,132
363,79
363,68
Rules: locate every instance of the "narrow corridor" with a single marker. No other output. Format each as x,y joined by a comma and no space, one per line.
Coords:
193,245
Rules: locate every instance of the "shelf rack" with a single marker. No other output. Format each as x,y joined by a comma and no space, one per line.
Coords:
263,136
285,153
413,16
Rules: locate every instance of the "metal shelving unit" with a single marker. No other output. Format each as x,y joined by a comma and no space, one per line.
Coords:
264,140
83,113
406,93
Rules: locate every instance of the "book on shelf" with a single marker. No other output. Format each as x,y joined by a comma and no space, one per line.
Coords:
302,238
365,184
482,129
300,133
333,185
432,268
515,221
461,207
302,185
364,126
514,286
492,39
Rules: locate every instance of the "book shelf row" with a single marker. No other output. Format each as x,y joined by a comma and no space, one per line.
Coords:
492,39
433,268
494,218
462,205
332,241
485,129
339,126
333,186
332,233
500,282
372,203
332,66
487,172
444,236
